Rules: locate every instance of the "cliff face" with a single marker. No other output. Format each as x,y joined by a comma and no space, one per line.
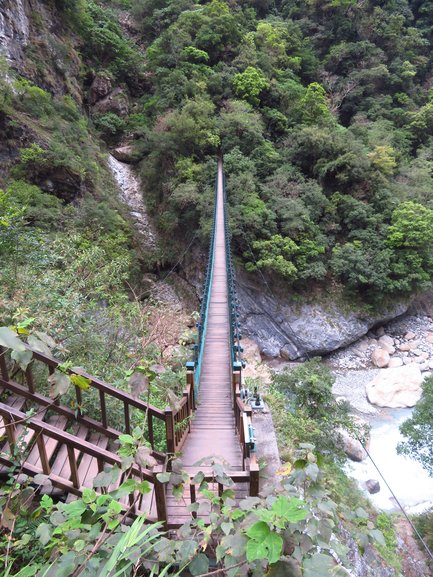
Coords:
35,42
292,330
14,31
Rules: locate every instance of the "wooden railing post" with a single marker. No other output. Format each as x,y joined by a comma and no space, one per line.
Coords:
169,431
3,365
236,382
254,476
190,382
161,502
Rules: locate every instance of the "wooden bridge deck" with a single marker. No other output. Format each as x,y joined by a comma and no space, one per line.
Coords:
213,433
213,427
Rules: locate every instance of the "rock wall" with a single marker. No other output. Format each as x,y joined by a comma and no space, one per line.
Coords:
14,31
290,330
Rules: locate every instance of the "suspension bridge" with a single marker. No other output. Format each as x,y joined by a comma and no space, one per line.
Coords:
210,425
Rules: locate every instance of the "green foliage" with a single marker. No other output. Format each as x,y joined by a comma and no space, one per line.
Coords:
280,532
315,109
40,209
418,430
293,261
250,84
424,525
110,124
313,414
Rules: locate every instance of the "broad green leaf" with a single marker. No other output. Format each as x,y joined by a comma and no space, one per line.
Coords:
361,513
226,527
23,358
274,543
258,531
291,510
80,381
10,340
312,471
235,544
42,480
249,503
106,478
127,439
284,568
79,545
199,565
50,342
319,565
138,384
198,478
144,487
89,495
187,550
377,536
75,508
59,384
163,477
38,345
144,458
256,550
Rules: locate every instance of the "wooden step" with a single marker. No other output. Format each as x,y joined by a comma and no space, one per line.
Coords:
58,421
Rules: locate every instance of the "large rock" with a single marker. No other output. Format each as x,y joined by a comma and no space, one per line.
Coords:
284,328
396,387
125,154
380,357
100,88
116,102
372,486
352,447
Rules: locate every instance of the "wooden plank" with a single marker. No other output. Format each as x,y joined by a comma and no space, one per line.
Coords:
61,466
88,468
34,457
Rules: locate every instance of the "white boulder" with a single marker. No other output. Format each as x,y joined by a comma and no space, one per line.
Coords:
397,387
380,357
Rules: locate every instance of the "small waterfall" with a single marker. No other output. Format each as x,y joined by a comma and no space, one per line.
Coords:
130,193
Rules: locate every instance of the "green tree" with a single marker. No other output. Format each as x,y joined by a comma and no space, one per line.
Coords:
418,430
250,84
315,107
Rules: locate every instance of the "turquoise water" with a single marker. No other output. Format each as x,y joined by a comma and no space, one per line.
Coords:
408,480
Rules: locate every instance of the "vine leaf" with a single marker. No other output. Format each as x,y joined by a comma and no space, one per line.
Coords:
319,565
139,384
144,458
59,384
199,565
10,340
23,358
173,401
38,345
50,342
80,381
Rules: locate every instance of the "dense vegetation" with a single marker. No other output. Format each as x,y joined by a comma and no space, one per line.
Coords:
323,113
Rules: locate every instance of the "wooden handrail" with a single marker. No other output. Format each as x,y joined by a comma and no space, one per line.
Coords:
101,385
48,430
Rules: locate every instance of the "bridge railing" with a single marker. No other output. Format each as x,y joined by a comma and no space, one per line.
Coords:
204,308
113,411
178,420
235,335
76,448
